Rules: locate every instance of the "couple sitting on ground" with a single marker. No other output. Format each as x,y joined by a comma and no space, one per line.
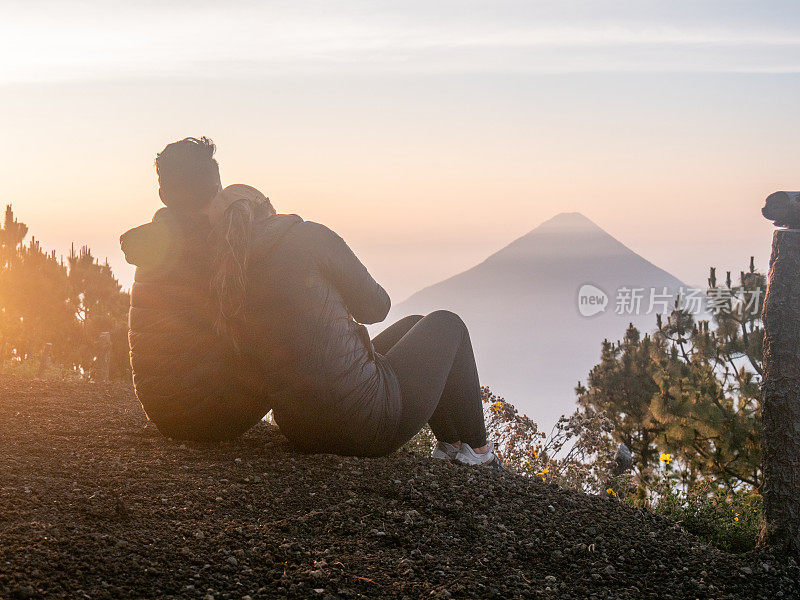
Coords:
236,310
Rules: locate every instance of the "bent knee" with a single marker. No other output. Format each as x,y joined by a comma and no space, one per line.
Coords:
413,319
447,316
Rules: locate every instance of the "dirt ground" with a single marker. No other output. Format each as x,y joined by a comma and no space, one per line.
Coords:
95,504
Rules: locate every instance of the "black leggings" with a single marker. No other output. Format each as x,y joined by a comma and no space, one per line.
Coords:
435,367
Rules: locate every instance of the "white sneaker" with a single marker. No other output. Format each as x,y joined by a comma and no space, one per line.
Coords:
468,456
444,451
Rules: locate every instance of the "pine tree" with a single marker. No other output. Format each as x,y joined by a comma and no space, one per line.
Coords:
45,300
689,394
621,388
99,305
33,284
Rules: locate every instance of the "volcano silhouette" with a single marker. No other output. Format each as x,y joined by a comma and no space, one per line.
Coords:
521,305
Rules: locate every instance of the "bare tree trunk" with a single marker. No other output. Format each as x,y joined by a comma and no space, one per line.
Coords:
780,443
103,358
44,363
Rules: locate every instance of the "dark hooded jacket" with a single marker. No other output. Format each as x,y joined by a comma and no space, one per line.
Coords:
303,351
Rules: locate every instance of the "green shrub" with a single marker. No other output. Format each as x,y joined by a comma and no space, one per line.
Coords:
728,520
28,368
422,443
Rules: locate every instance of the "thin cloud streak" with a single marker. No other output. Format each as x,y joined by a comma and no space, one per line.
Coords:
253,40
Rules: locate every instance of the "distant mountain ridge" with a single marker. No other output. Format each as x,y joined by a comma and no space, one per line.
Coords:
521,306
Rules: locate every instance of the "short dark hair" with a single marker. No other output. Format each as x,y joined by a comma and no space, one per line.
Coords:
188,174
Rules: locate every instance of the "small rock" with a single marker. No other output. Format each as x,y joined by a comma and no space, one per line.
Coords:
411,515
232,561
199,535
25,591
551,508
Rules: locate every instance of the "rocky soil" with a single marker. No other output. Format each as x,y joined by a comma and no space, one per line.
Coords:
96,504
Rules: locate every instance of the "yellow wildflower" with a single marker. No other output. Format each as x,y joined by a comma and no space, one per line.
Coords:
665,457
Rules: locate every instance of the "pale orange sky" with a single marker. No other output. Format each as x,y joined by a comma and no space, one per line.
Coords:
426,143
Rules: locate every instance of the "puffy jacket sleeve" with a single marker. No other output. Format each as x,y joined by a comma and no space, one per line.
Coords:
365,299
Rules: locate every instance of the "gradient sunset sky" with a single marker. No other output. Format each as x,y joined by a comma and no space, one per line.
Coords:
428,134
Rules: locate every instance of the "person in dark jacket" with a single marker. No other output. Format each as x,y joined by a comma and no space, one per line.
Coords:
237,310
